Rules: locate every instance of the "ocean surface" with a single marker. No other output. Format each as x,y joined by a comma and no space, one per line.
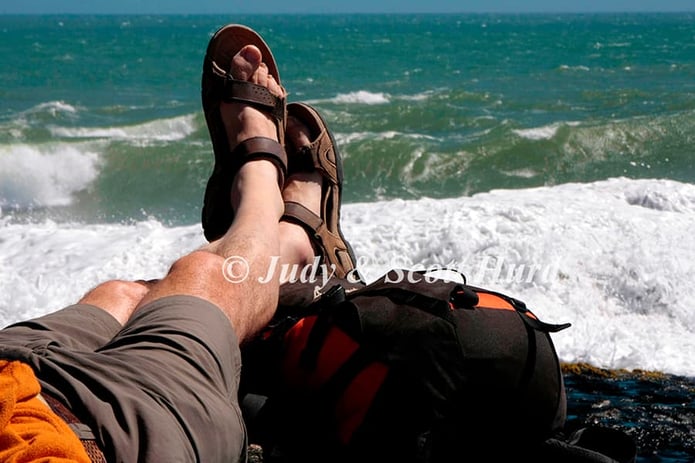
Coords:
550,157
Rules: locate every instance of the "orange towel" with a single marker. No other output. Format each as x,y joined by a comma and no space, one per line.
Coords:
29,430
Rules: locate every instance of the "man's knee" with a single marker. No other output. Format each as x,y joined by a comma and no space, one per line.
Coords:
117,297
199,265
126,291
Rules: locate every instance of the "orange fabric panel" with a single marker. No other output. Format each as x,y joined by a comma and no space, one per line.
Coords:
353,406
336,349
490,301
29,430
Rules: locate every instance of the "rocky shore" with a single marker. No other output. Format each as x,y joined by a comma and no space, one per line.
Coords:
655,409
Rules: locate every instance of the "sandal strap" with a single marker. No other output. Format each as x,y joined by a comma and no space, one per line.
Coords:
240,91
261,148
318,154
332,247
315,157
300,214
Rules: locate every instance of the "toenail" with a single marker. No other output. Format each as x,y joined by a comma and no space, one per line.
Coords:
247,54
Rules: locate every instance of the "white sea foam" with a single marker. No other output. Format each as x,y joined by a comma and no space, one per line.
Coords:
419,96
545,132
53,108
356,137
372,98
43,267
615,258
538,133
362,97
172,129
16,124
565,67
38,175
521,173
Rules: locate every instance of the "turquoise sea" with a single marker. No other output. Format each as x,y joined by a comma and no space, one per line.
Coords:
436,106
551,157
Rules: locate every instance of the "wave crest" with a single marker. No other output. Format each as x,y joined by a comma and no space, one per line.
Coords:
361,97
42,176
172,129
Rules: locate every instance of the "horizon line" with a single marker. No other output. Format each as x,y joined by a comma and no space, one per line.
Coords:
299,13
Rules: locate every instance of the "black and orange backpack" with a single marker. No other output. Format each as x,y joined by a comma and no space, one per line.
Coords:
410,368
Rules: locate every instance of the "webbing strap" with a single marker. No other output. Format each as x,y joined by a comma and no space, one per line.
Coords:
402,296
438,306
543,326
81,430
520,307
531,354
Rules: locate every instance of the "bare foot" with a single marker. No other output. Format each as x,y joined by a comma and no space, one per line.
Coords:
243,121
304,188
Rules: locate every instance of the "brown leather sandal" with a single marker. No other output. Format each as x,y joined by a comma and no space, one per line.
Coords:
322,155
218,86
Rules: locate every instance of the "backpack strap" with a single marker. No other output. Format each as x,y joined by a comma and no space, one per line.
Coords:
462,296
526,316
84,433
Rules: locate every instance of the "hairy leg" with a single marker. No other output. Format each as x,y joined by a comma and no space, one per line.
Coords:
253,238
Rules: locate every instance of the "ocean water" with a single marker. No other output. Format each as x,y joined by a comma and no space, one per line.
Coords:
550,157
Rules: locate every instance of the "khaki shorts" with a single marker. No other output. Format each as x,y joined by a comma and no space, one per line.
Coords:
162,388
